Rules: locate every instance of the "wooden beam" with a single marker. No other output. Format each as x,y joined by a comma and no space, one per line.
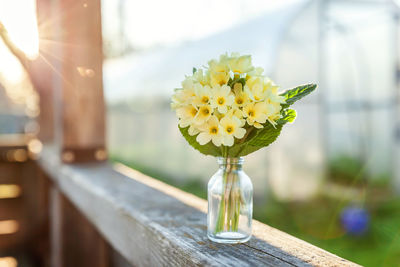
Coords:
80,122
74,240
153,224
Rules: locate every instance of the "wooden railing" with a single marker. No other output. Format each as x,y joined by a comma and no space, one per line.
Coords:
150,223
95,214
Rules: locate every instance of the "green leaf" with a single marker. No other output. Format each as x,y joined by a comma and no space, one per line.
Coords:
297,93
288,115
260,138
194,70
207,149
264,137
232,82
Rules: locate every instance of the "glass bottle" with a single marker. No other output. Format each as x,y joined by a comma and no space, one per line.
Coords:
230,203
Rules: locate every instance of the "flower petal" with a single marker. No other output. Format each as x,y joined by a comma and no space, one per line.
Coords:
193,130
222,109
217,140
239,133
228,140
203,138
258,125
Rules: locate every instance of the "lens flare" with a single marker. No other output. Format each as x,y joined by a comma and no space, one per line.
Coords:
21,24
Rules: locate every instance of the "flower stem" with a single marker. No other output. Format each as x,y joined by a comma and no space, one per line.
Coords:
229,208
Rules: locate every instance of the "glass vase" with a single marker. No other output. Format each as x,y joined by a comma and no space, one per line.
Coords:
230,203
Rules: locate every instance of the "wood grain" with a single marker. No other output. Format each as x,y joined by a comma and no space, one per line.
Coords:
78,88
152,224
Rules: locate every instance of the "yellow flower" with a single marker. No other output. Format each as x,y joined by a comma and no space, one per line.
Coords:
186,115
211,131
256,72
256,114
182,97
255,88
272,95
219,78
274,112
218,72
218,66
241,97
231,126
240,64
203,95
273,98
222,97
201,78
203,114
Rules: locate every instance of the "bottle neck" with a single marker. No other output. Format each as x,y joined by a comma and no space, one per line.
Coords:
230,163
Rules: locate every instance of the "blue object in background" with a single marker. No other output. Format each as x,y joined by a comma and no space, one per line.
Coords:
355,220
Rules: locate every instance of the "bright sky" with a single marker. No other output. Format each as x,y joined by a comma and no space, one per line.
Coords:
19,18
160,22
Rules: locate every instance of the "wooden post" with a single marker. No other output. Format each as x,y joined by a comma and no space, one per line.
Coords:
80,122
74,240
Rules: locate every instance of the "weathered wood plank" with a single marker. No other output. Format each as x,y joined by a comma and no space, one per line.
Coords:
10,173
81,244
11,209
152,224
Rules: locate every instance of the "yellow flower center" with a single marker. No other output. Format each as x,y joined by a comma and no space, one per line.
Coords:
229,129
221,101
239,101
251,113
194,112
205,99
213,130
206,111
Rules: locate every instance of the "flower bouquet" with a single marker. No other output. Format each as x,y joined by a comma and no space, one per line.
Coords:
229,109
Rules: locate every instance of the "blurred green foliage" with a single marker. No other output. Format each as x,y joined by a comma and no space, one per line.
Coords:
317,220
347,170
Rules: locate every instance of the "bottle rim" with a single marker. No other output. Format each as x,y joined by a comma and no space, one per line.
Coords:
229,160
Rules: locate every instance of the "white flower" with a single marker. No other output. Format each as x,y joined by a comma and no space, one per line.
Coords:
218,71
240,64
274,112
255,88
255,72
231,126
256,114
203,95
186,115
241,96
211,131
182,97
222,98
203,114
271,97
200,77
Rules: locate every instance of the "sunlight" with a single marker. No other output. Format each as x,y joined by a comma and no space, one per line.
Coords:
8,262
9,191
8,227
21,24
